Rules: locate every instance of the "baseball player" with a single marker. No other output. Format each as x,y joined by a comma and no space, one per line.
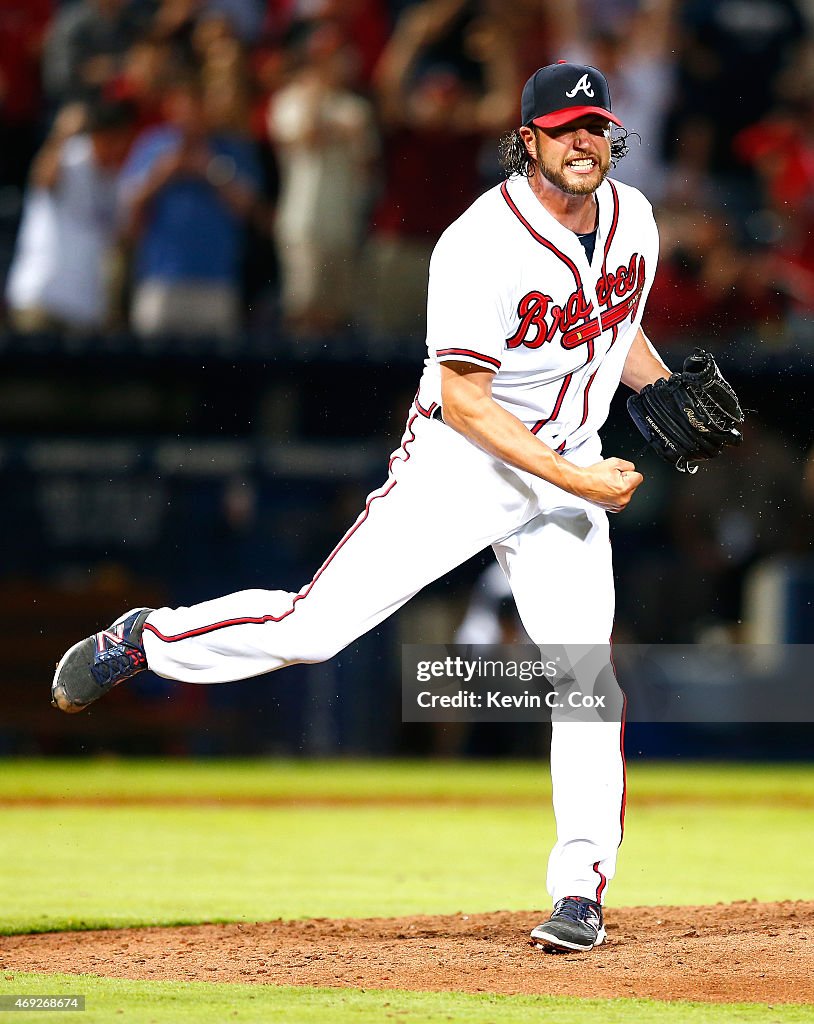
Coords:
536,295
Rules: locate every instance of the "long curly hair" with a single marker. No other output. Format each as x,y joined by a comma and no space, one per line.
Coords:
514,157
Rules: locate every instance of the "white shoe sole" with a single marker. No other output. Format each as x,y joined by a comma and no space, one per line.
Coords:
546,939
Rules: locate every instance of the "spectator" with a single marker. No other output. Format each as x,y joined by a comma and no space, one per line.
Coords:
268,72
22,31
532,27
228,86
707,282
491,615
86,45
744,508
214,41
57,279
365,25
731,60
144,75
781,148
174,23
326,142
244,16
224,75
605,15
634,52
267,64
433,117
186,194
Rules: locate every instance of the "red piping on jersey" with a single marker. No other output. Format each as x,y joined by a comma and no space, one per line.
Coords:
602,882
611,233
427,413
585,398
557,405
612,230
621,749
262,619
467,353
624,767
602,879
504,191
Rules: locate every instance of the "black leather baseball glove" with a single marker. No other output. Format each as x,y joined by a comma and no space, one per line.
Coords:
689,417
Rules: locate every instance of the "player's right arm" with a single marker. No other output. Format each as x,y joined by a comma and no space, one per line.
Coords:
469,408
46,167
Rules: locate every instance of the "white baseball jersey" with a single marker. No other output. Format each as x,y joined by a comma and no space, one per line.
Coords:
511,290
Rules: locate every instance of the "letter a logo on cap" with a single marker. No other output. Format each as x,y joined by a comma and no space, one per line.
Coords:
584,85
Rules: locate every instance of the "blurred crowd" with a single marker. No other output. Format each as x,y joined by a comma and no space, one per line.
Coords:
210,168
199,167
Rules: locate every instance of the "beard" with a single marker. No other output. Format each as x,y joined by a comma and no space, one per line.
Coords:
582,185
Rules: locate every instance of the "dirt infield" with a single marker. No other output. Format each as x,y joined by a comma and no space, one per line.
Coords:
751,952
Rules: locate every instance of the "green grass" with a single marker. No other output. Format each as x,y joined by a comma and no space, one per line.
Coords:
200,1003
251,779
270,779
69,864
193,864
74,866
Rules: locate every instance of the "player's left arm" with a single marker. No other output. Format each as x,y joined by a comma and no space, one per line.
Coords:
643,364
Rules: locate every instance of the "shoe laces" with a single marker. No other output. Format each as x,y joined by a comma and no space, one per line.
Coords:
578,910
117,663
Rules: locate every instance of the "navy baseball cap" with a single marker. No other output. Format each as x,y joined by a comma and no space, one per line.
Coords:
562,92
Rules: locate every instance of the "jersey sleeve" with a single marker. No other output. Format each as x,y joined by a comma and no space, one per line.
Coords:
652,235
465,316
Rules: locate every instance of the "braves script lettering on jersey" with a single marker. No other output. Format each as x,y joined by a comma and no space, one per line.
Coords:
528,305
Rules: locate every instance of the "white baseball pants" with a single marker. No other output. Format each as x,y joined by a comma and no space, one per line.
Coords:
443,501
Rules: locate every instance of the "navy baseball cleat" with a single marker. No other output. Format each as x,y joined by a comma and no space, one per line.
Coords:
576,924
98,663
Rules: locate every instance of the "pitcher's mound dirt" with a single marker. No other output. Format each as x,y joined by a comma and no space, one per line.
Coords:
751,952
